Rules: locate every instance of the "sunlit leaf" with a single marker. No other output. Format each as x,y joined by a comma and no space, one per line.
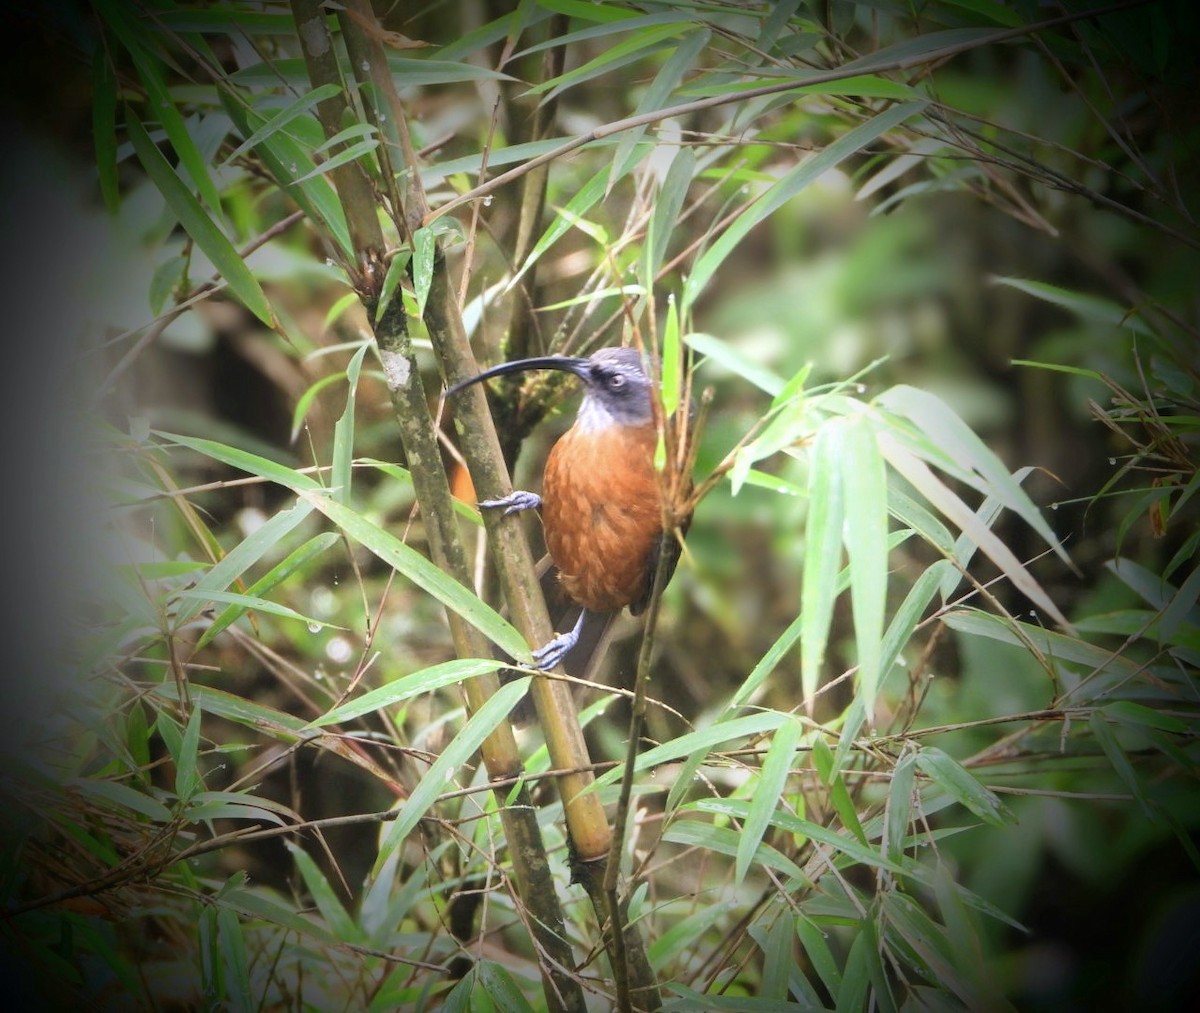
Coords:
823,552
341,473
947,772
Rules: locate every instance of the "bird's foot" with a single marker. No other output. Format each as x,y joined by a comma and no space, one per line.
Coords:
515,501
549,655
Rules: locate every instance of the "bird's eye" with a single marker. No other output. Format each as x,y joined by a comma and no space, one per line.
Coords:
616,381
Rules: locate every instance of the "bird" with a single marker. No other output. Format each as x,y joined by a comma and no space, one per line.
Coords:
601,500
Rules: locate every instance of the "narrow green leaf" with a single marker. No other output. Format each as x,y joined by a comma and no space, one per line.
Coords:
459,750
1093,309
1140,716
401,475
304,402
671,196
425,575
282,118
198,225
243,460
396,271
657,95
820,956
733,360
104,128
244,555
672,360
964,548
286,158
951,506
864,480
349,154
115,793
501,987
846,845
239,997
953,436
856,978
899,808
424,249
704,738
187,774
904,622
611,58
343,433
727,841
250,603
831,774
787,187
778,965
822,552
771,783
425,681
294,561
951,775
332,910
1120,762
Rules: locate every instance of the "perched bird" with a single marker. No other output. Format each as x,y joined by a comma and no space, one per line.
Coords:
601,500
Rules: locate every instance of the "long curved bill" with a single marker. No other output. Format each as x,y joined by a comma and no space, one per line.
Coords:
565,363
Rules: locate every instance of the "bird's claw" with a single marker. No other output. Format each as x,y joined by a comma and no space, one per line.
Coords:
514,502
549,655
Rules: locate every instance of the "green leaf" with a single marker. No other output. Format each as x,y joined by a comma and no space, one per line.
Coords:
787,187
501,987
951,506
198,225
294,561
304,402
286,158
395,273
332,910
733,360
282,118
657,95
114,793
949,774
671,195
425,575
672,355
611,58
1093,309
250,603
1120,762
349,154
425,681
187,775
704,738
240,558
822,553
771,782
864,481
104,128
231,945
727,841
820,956
899,807
424,251
954,437
343,433
460,749
831,774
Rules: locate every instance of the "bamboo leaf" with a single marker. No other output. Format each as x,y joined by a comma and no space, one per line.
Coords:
248,602
343,433
460,749
787,187
282,118
187,774
771,783
864,480
948,503
1093,309
333,912
948,773
424,249
899,808
733,360
425,681
823,553
104,128
671,195
114,793
953,436
244,555
831,774
198,225
656,96
349,154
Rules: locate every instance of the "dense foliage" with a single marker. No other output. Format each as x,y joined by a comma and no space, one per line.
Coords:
915,725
